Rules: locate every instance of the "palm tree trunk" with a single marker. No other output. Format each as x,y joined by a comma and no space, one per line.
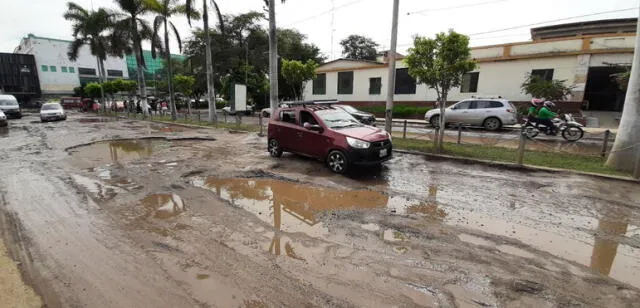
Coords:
100,80
626,149
142,85
172,104
273,57
211,91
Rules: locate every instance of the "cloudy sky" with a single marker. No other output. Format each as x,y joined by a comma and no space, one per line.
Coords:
478,18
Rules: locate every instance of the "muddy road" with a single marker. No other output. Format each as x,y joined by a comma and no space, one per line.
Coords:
104,213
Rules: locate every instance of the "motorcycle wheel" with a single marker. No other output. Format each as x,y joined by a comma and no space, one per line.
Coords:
530,132
572,133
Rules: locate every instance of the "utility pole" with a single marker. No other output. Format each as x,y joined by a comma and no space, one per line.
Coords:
273,57
391,57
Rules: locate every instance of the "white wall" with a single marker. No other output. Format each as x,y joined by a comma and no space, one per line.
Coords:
51,52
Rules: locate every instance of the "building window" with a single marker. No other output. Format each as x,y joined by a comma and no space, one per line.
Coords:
63,69
114,73
345,82
545,74
405,84
44,68
320,84
375,85
470,82
52,68
86,71
72,69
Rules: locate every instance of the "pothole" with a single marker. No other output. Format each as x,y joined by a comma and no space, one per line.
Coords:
163,206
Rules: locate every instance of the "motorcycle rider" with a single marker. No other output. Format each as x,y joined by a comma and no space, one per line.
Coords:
532,112
545,115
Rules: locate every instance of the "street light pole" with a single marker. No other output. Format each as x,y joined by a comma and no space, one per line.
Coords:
391,56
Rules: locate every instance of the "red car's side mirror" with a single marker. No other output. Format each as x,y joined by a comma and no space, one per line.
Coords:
312,127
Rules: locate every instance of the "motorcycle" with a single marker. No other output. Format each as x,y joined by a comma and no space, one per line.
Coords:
565,124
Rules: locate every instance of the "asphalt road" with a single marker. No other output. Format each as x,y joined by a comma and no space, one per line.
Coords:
105,213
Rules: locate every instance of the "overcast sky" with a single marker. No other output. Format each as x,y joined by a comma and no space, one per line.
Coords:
367,17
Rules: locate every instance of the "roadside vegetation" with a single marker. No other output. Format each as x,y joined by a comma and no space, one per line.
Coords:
557,160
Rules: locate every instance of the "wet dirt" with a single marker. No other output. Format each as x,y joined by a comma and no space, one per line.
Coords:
163,206
175,223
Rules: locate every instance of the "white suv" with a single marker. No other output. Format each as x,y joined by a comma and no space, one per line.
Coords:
489,113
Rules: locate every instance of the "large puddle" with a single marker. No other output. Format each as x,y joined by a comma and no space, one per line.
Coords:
293,207
118,151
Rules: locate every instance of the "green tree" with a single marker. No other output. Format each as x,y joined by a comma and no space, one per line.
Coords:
296,73
110,87
184,84
211,94
537,86
131,28
164,10
439,64
90,28
359,47
93,90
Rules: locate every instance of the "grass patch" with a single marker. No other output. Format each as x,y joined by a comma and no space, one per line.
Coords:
568,161
398,111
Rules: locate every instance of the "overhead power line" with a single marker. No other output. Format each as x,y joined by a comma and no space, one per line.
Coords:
462,6
543,22
333,9
554,20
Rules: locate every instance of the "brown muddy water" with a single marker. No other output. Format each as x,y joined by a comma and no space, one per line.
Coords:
295,207
118,151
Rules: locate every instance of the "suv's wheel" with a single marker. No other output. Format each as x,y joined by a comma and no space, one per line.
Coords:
337,162
435,121
274,148
492,124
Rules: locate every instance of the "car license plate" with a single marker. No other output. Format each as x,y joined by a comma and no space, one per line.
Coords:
383,152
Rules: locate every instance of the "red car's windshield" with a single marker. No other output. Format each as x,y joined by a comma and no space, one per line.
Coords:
336,119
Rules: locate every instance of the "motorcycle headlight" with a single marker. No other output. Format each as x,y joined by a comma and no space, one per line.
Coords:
357,143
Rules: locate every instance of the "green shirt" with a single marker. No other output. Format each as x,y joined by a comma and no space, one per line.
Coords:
533,111
546,114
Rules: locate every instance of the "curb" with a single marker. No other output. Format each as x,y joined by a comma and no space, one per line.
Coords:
514,166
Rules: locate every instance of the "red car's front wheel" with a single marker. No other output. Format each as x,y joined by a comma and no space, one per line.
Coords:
337,162
274,148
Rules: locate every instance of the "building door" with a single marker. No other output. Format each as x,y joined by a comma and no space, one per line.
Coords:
602,92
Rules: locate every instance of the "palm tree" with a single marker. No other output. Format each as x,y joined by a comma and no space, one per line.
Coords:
211,91
165,9
89,28
131,28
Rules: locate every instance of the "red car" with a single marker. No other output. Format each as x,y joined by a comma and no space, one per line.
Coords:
328,133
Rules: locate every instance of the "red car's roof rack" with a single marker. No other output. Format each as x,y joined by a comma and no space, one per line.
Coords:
304,103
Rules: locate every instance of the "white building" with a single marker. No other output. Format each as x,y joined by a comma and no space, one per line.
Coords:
584,54
57,74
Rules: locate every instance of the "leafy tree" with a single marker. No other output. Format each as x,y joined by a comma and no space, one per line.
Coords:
622,79
164,10
110,87
93,90
537,86
296,73
359,47
231,60
90,28
211,93
184,84
439,64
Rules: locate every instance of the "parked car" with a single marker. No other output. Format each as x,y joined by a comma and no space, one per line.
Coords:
52,112
490,113
3,119
364,117
266,112
9,105
327,133
248,112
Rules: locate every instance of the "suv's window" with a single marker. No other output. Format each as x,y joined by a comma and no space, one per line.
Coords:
495,104
288,116
486,104
8,102
307,117
463,105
